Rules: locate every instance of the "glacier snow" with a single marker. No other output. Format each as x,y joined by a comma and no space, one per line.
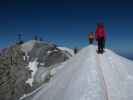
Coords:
89,76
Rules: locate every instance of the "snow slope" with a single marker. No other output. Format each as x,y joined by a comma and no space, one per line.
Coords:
89,76
33,67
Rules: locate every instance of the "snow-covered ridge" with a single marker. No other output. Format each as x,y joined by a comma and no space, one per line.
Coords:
89,76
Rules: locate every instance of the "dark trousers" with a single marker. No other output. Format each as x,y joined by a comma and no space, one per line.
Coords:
101,44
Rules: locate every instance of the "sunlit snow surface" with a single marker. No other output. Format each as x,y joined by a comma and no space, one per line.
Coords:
32,67
89,76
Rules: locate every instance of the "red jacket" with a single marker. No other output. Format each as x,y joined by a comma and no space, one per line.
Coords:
100,32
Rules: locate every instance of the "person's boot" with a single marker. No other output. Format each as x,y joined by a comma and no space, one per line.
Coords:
98,51
102,51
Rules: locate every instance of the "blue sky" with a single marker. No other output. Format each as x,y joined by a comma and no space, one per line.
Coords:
67,22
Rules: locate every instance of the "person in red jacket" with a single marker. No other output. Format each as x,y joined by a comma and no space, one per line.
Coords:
100,37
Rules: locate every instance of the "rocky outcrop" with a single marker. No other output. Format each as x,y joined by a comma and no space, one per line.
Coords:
14,71
46,53
13,74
